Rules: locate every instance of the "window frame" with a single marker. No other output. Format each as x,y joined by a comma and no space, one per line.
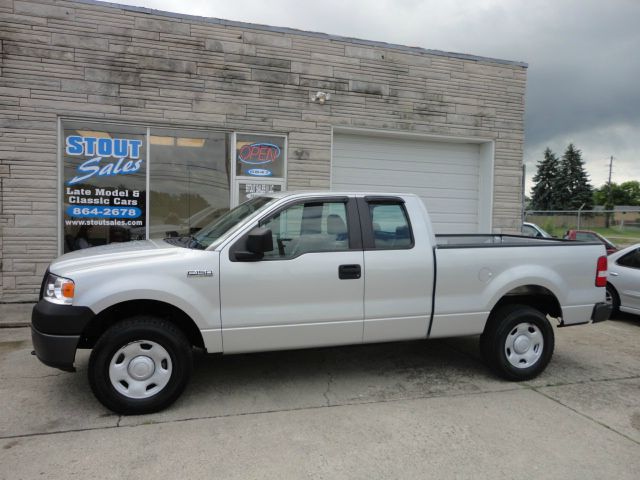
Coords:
368,236
354,229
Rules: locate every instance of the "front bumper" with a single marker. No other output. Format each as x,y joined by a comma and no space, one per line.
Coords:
58,351
56,331
601,312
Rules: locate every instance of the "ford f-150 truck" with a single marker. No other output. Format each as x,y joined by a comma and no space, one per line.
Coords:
300,270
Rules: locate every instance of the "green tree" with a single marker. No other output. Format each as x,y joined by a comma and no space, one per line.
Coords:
632,192
543,194
572,184
627,193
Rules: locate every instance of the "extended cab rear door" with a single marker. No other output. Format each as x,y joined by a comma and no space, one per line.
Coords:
399,264
308,291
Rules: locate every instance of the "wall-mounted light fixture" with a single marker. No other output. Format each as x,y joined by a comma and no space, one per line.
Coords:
321,97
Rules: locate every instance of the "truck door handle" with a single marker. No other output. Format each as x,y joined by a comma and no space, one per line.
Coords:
614,274
349,272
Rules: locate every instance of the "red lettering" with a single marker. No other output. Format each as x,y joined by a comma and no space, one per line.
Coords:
245,150
258,153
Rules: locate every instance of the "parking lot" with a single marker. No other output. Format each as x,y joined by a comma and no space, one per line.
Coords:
398,410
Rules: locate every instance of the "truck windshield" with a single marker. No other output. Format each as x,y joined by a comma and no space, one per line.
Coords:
209,234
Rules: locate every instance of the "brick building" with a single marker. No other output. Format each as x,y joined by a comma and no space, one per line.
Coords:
121,123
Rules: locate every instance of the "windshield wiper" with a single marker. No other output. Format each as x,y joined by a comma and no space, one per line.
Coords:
187,241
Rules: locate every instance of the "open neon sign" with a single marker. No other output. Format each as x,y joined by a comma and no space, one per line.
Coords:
259,153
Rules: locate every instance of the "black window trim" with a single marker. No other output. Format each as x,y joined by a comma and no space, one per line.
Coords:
368,238
354,229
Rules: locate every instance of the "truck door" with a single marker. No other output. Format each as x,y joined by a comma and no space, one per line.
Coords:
399,264
308,291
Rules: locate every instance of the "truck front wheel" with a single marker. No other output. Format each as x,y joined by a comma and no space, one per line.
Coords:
517,342
140,365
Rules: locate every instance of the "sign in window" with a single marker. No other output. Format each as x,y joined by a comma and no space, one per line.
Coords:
104,185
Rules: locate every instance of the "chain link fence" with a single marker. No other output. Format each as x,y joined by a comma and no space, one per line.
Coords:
622,227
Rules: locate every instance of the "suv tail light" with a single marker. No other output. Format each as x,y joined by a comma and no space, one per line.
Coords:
601,272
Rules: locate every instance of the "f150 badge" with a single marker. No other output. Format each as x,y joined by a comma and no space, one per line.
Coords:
200,273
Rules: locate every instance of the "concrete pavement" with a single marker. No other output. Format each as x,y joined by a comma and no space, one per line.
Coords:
399,410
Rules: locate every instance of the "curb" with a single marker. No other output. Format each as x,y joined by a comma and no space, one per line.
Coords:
15,315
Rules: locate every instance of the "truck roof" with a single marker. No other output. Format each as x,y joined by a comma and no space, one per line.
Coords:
332,193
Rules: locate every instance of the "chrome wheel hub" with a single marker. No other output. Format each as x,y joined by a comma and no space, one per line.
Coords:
140,369
524,345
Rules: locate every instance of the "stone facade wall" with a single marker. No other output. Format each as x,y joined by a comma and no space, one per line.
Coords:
96,61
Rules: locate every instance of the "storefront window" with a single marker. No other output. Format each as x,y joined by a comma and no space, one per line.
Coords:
104,185
189,180
123,183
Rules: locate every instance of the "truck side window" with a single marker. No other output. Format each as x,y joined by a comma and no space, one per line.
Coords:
391,229
308,227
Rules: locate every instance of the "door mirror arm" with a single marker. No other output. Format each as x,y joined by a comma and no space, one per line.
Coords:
244,256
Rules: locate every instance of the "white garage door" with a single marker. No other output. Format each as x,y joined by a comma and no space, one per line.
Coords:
445,175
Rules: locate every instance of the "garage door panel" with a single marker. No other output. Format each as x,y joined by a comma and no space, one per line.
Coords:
449,158
457,205
451,224
392,143
379,159
445,175
436,167
391,177
423,192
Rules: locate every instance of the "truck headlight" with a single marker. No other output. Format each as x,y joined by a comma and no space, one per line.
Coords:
59,290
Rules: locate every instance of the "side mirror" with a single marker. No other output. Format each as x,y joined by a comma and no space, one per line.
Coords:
259,241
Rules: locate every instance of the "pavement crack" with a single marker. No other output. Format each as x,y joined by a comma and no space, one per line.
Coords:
38,376
584,415
260,412
328,390
119,420
581,382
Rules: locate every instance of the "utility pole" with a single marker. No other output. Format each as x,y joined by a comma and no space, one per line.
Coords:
610,202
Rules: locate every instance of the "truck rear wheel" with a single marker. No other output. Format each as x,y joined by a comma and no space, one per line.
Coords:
518,342
140,365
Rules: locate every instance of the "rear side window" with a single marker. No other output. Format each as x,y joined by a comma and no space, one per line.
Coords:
586,237
391,229
631,259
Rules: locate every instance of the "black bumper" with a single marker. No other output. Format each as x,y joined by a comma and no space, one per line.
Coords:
56,331
601,312
58,351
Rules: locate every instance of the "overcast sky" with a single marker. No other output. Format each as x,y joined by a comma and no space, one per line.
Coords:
584,58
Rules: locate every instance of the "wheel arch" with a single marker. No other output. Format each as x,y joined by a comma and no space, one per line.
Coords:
122,310
534,296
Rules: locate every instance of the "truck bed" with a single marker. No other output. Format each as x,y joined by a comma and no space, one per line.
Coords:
477,240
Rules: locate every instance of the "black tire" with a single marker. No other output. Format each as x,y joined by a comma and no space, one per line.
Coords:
615,300
507,324
163,337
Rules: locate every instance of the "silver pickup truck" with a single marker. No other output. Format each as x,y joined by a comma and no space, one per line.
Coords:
300,270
